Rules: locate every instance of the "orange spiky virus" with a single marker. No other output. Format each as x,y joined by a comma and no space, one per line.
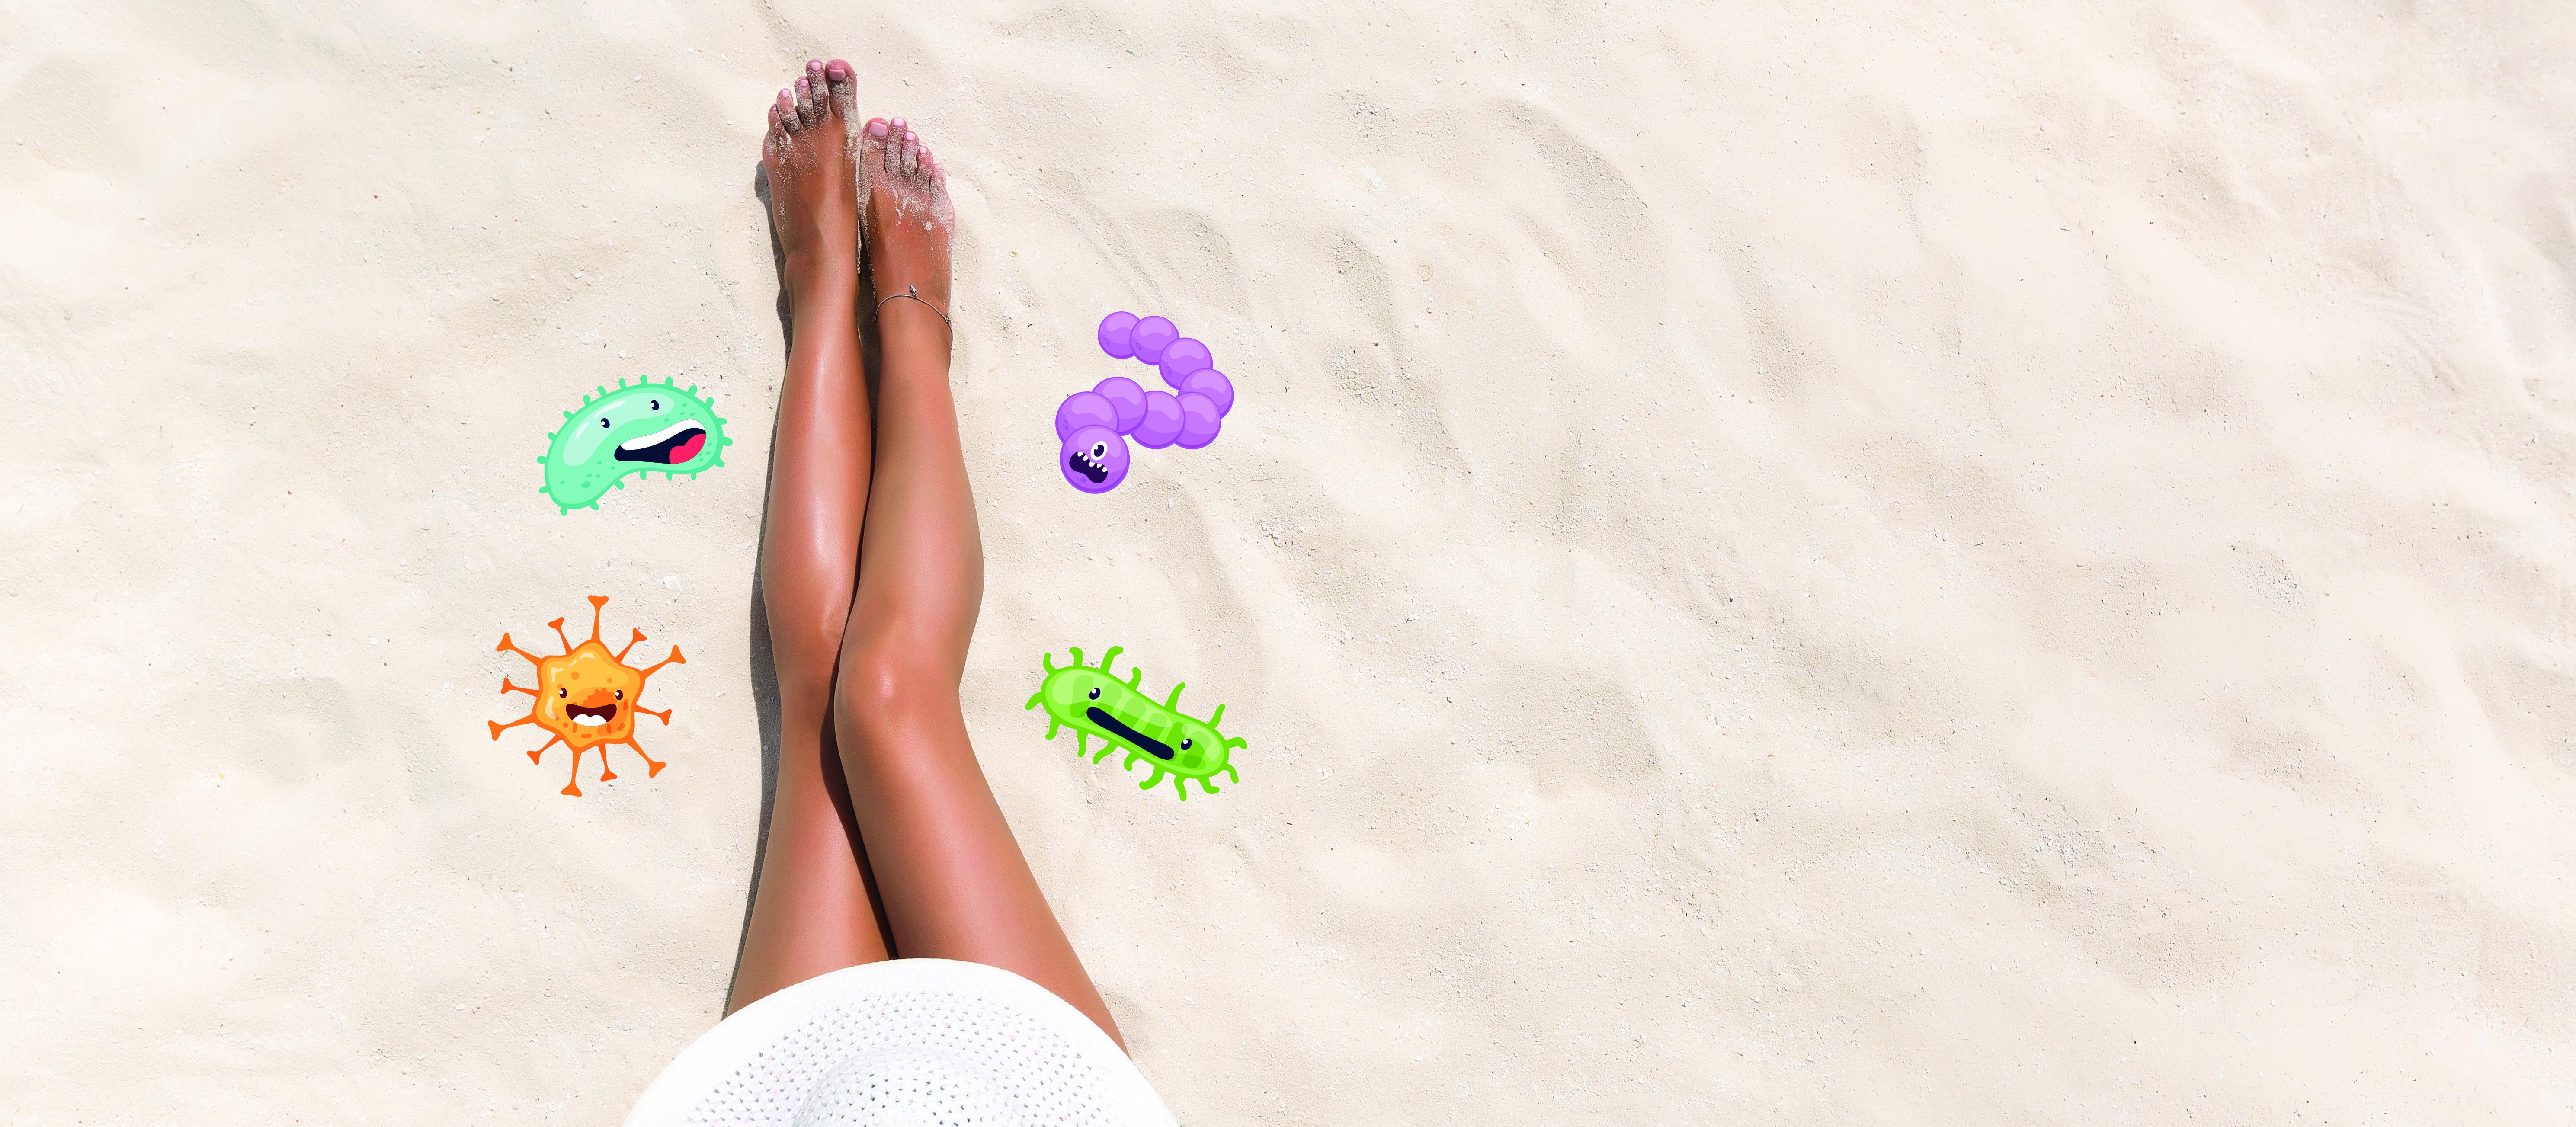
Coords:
587,697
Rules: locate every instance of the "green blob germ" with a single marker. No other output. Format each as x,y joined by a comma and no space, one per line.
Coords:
647,428
1094,702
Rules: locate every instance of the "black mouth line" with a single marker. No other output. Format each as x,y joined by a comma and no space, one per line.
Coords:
659,452
1147,744
1090,469
605,712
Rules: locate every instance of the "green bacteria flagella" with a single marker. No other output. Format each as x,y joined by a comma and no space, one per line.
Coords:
648,428
1094,702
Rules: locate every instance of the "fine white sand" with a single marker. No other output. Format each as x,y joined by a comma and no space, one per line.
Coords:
1871,563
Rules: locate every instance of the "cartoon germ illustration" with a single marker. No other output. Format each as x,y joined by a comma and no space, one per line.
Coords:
587,697
641,429
1092,425
1094,702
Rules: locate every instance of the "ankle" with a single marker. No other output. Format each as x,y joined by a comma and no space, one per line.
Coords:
915,332
821,277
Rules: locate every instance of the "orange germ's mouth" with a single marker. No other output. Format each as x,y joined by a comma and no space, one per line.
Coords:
583,714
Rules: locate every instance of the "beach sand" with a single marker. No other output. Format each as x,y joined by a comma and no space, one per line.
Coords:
1873,563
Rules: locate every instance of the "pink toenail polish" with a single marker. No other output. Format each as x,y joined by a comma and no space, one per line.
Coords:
876,128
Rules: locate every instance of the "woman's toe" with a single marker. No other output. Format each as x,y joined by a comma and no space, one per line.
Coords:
785,112
818,94
844,86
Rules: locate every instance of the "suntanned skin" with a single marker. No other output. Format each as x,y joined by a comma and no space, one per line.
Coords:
813,911
949,876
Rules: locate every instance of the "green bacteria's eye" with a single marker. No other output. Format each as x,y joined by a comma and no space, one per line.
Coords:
1095,694
603,424
656,404
1185,743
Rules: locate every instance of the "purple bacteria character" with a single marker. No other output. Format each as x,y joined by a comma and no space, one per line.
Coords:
1085,409
1211,383
1094,459
1162,421
1116,331
1183,357
1123,394
1151,337
1199,420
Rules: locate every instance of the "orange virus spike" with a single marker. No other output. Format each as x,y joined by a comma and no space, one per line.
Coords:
587,697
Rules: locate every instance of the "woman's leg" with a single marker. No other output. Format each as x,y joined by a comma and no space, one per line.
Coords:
813,912
954,883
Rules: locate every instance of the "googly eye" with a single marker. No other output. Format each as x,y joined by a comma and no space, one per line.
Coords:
1099,449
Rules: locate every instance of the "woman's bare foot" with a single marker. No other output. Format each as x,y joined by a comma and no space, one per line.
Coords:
811,194
908,220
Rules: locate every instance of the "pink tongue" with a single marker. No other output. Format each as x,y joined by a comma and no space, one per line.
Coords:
687,450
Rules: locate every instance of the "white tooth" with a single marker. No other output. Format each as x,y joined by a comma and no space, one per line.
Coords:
590,720
656,439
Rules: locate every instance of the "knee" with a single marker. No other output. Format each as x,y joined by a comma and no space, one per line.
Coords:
802,649
884,686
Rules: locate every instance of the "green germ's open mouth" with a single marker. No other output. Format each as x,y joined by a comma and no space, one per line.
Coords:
670,446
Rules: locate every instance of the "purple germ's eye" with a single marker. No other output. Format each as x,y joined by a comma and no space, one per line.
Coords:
1099,449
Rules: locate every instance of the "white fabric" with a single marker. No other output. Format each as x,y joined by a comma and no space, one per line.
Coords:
927,1042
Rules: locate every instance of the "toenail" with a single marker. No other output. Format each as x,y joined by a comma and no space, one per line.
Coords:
876,128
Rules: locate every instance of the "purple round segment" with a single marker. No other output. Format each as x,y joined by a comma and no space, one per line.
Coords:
1152,336
1124,394
1085,409
1162,421
1115,330
1094,459
1211,383
1183,357
1199,420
